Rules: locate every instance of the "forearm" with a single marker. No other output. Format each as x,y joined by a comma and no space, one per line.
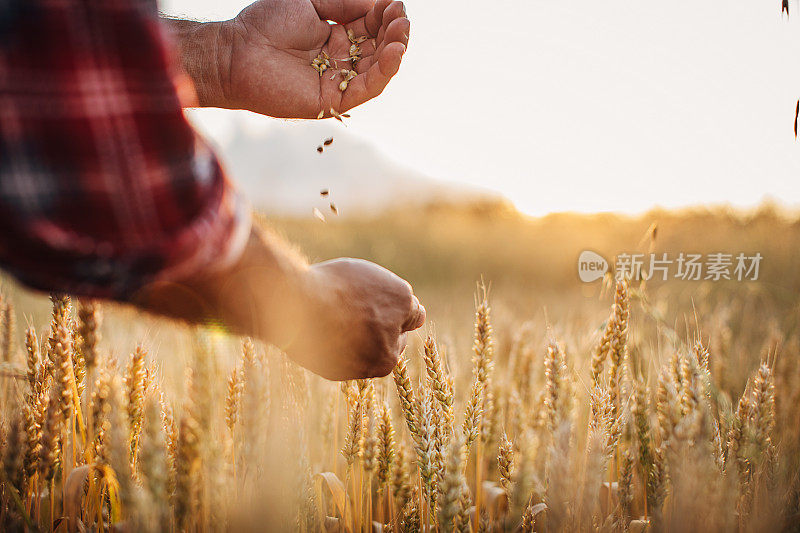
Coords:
204,56
263,295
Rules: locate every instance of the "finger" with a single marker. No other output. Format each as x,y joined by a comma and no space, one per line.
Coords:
365,63
397,32
341,11
372,83
416,316
374,18
394,11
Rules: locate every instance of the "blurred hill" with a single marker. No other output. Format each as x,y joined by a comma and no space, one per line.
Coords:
282,173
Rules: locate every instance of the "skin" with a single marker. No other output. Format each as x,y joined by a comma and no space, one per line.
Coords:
342,319
261,59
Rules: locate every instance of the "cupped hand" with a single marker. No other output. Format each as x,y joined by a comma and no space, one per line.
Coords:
270,45
357,321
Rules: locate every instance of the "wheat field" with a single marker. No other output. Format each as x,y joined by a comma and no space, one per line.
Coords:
640,415
641,436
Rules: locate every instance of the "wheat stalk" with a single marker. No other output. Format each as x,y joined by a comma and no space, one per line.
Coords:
135,384
505,464
453,483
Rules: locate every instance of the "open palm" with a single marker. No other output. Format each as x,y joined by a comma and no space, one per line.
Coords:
273,43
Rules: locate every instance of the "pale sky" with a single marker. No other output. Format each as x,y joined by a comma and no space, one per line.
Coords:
586,105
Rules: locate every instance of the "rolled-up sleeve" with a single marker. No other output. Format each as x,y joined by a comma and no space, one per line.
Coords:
104,186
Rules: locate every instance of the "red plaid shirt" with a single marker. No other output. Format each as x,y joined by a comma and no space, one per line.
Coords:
104,186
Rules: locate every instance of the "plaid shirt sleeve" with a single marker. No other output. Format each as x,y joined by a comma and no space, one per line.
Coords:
104,186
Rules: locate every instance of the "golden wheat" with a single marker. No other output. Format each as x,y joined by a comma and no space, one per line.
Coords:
529,449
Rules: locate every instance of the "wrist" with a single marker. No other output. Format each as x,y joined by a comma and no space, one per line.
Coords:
268,294
292,307
204,50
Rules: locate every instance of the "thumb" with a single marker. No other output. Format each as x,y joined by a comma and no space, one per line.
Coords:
416,315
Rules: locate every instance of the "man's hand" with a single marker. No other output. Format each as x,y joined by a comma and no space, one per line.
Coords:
342,319
261,60
357,326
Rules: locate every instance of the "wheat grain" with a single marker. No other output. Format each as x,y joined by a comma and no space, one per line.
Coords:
50,449
453,483
438,381
351,440
9,325
386,449
427,457
89,319
482,346
558,396
401,485
172,437
34,360
64,377
626,490
233,398
763,407
473,413
405,392
135,385
505,463
152,464
641,419
13,453
187,465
